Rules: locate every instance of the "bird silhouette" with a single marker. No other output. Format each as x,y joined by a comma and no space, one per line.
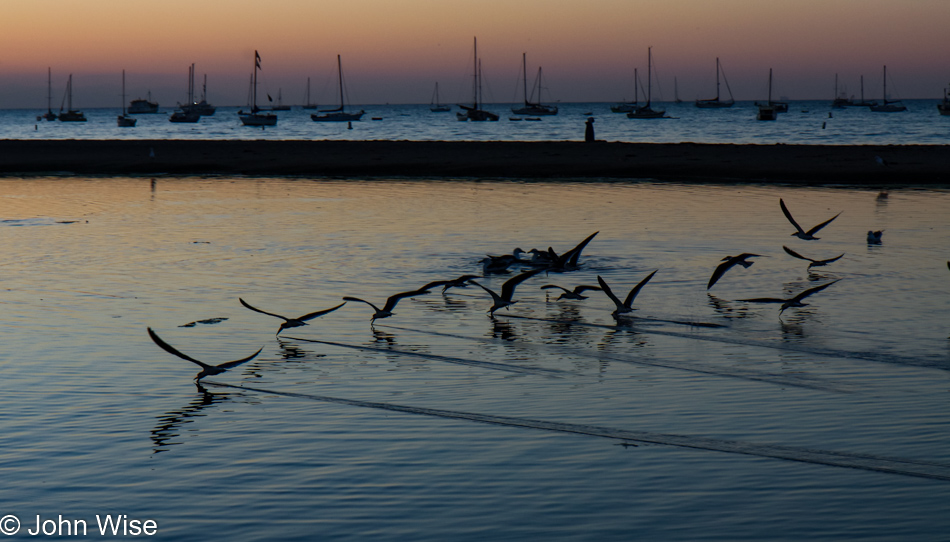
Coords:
814,263
571,294
802,234
728,263
291,322
504,300
390,305
795,301
206,369
627,305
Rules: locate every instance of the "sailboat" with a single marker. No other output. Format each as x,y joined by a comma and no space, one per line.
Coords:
49,115
625,106
767,111
472,112
863,103
307,104
676,92
255,117
944,106
532,108
71,115
123,120
280,103
434,105
645,111
338,114
715,103
894,106
841,100
202,108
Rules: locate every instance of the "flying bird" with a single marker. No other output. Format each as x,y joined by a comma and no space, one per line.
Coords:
569,260
460,282
206,369
802,234
504,300
387,309
291,322
627,305
728,263
814,263
571,294
795,301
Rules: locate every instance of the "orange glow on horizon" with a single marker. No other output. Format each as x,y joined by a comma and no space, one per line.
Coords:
393,51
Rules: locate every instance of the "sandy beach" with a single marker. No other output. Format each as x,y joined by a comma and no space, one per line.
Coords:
806,164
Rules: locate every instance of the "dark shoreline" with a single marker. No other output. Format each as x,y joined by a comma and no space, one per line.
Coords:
685,162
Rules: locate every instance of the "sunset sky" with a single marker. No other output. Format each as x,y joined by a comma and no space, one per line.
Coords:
395,50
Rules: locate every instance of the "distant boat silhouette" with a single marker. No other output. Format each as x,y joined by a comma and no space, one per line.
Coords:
339,114
255,117
143,107
280,103
676,92
308,104
123,120
532,108
767,111
434,105
863,102
49,115
646,112
715,103
944,106
840,100
893,106
202,108
71,115
472,112
627,107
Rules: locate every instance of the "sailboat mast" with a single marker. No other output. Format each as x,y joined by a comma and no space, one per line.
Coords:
123,93
770,86
204,89
885,85
524,70
69,93
475,73
649,74
49,90
339,69
717,78
254,103
636,86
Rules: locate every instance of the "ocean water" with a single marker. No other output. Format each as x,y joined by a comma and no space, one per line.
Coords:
703,418
807,122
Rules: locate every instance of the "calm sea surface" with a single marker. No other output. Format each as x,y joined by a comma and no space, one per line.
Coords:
806,122
828,422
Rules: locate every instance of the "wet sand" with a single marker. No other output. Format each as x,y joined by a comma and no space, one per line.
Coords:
806,164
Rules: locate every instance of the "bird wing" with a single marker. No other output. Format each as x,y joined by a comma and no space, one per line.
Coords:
636,290
797,255
171,349
313,315
720,271
814,290
788,215
393,299
764,300
609,293
820,226
235,363
575,253
255,309
508,288
494,296
435,283
583,288
832,259
347,298
549,286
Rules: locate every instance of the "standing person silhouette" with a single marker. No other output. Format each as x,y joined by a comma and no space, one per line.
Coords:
589,130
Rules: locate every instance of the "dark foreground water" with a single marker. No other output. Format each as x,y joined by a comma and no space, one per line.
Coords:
550,421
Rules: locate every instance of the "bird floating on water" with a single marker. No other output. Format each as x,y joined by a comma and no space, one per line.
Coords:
802,234
387,309
874,237
795,301
569,261
291,322
206,369
571,294
500,264
728,263
504,300
627,305
814,263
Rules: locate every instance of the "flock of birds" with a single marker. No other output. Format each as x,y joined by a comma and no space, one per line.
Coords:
539,261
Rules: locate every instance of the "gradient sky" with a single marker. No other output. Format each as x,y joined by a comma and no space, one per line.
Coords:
395,50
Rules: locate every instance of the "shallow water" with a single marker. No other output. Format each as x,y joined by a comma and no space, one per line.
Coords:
827,423
807,122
